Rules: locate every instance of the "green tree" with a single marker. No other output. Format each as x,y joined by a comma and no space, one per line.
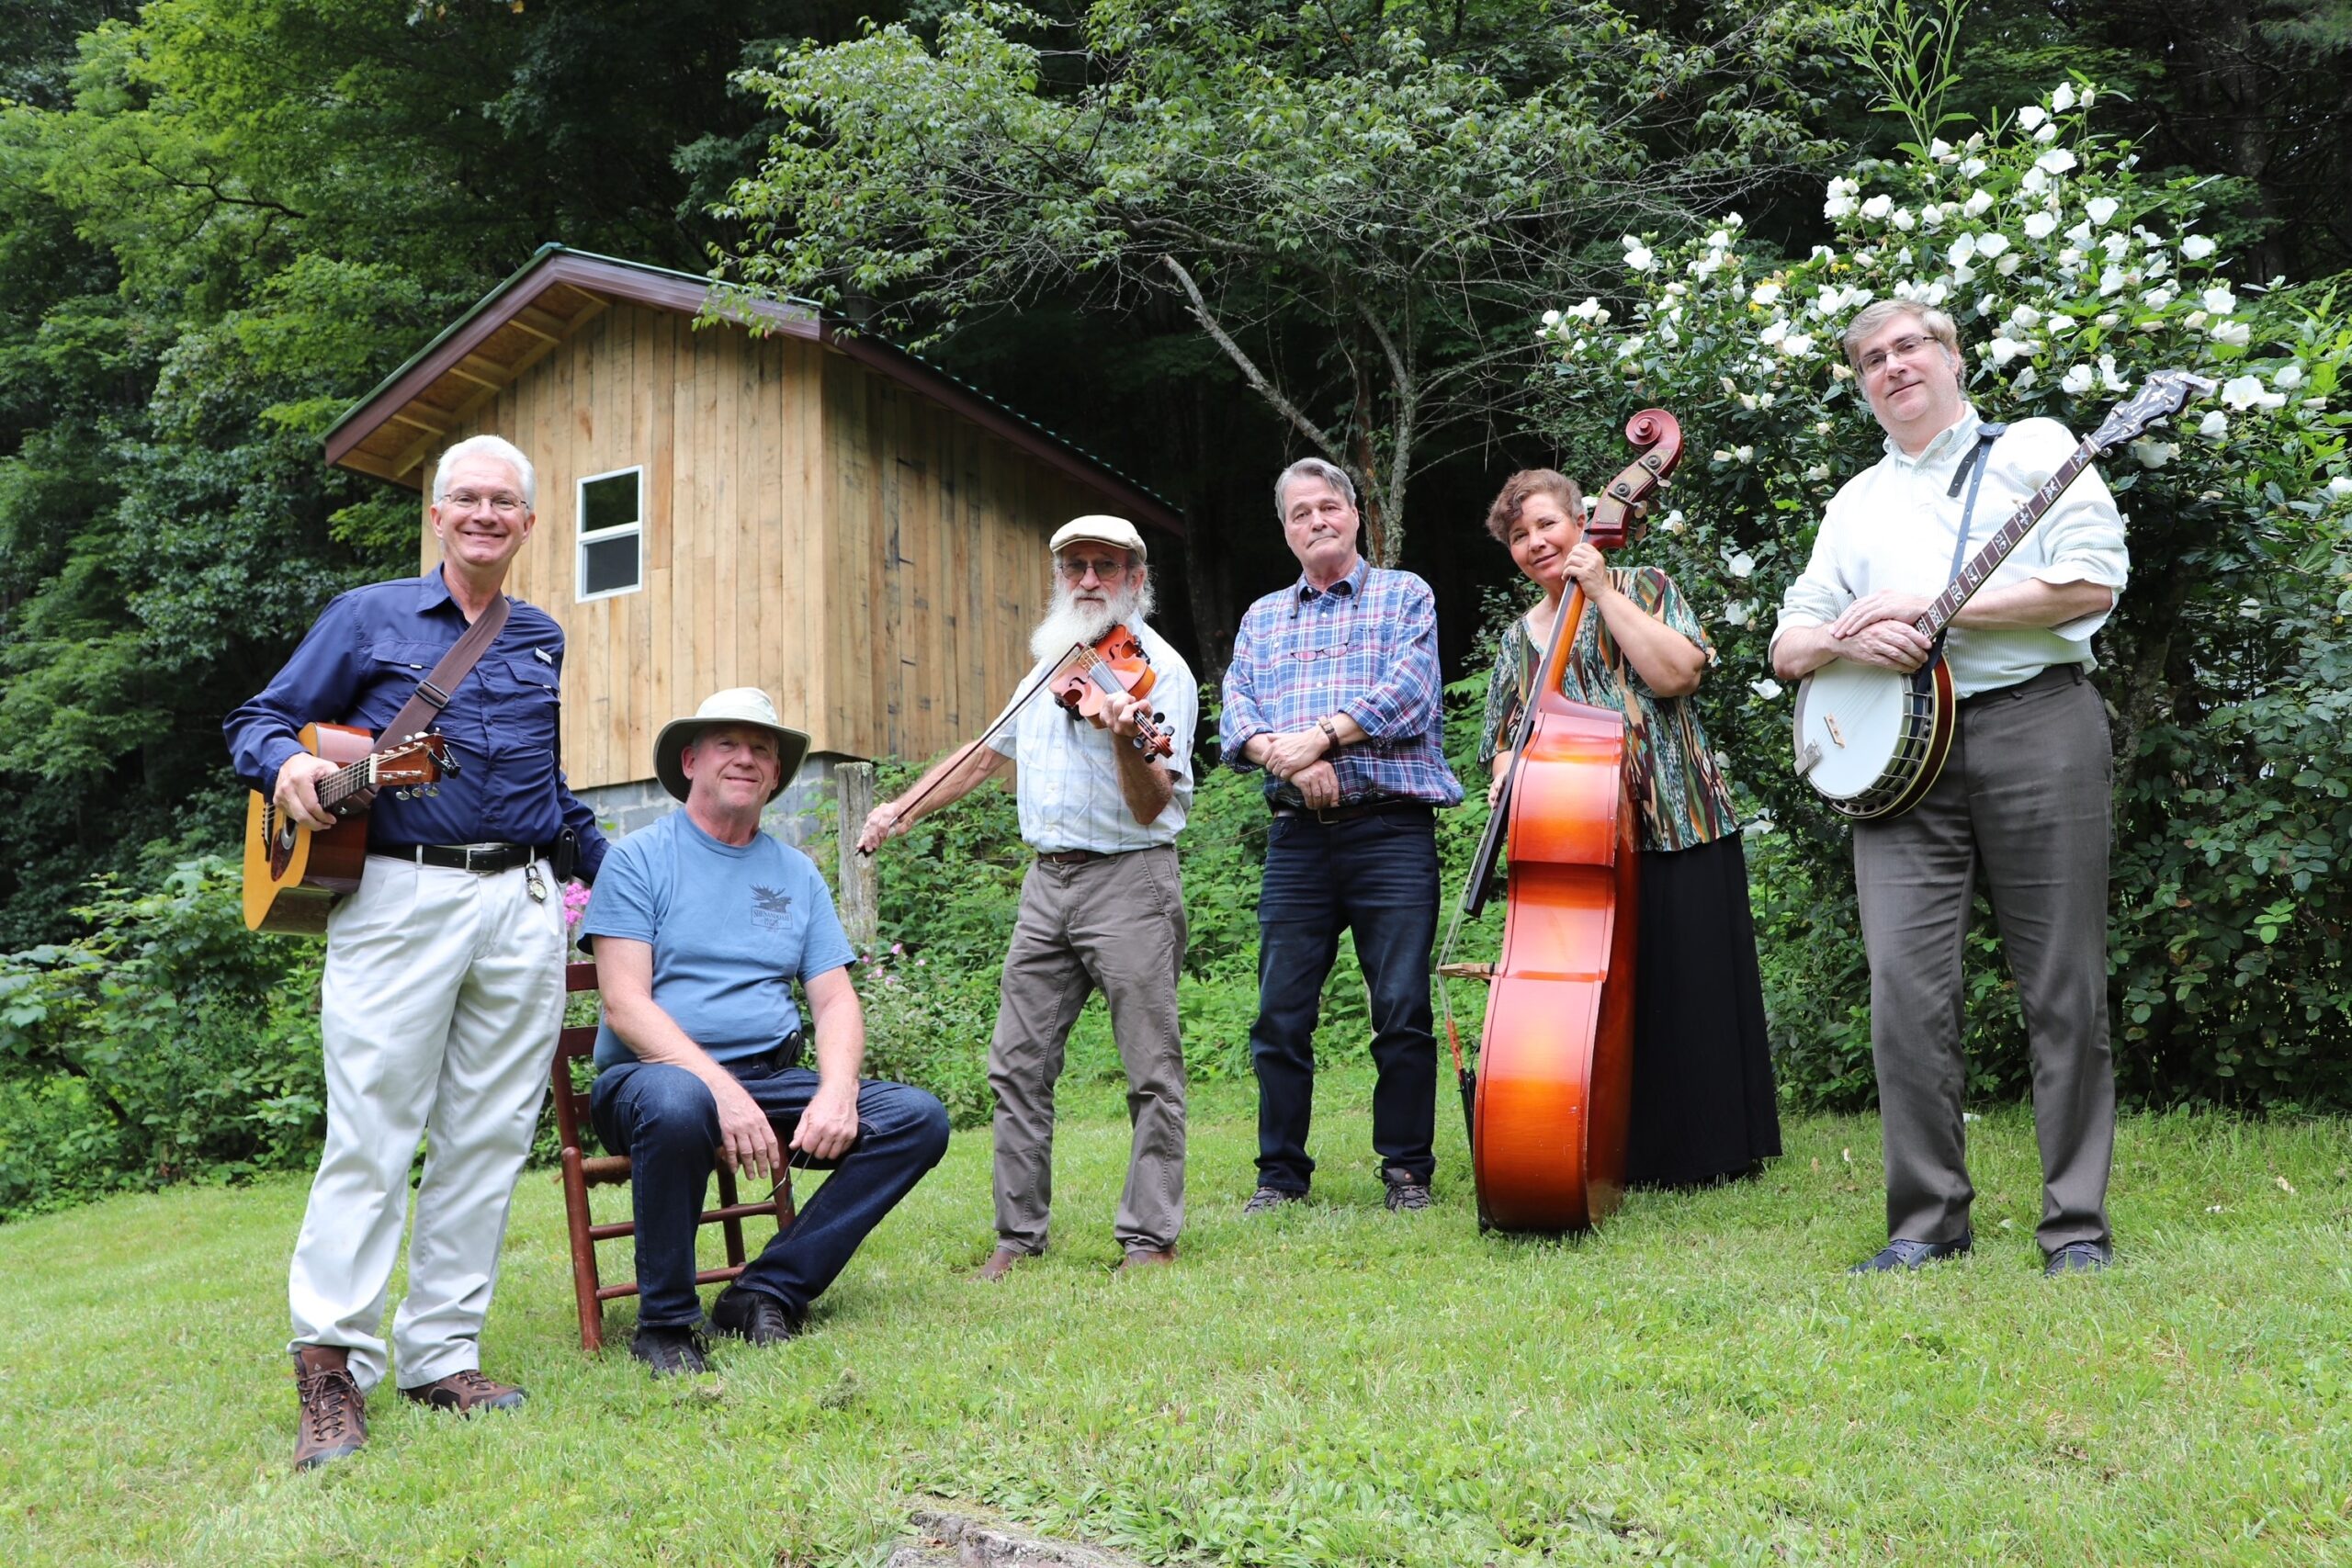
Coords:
1357,204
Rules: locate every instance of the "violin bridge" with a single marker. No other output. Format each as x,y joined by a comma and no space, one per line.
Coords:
1808,759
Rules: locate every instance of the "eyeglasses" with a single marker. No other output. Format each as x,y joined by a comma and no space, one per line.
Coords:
504,503
1103,571
1901,348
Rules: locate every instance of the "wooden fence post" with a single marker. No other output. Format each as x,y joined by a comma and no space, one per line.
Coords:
853,792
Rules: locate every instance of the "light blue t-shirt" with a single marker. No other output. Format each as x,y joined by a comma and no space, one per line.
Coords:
730,930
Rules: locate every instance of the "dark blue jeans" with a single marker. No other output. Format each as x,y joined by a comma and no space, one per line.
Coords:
1376,877
667,1122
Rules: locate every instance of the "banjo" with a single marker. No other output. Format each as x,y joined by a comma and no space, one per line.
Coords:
1872,740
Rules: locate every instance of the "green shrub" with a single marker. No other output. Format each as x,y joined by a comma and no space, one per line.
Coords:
167,1043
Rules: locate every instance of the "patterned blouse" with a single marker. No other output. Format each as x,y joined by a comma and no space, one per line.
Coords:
1683,798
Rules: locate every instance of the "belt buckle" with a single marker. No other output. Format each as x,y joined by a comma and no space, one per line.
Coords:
477,852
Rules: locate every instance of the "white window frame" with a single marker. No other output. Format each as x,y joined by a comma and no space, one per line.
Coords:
581,539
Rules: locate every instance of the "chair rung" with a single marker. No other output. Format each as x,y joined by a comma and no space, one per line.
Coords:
604,1169
706,1277
709,1217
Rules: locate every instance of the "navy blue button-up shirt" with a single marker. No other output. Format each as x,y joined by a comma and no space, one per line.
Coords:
362,662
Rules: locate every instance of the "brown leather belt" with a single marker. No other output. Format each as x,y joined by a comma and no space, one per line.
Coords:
1071,857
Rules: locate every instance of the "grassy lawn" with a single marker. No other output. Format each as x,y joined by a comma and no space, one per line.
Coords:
1331,1385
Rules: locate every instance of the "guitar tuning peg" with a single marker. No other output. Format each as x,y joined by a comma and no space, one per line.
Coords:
432,792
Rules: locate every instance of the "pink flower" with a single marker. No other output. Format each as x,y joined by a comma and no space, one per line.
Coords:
575,903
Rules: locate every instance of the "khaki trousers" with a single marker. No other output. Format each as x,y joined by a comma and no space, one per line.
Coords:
2025,796
442,996
1115,925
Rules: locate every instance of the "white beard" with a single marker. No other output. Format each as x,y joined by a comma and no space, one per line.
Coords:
1068,622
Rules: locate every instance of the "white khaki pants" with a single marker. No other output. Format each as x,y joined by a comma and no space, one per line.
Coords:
443,992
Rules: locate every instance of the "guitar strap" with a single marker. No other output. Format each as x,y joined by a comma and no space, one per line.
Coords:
432,695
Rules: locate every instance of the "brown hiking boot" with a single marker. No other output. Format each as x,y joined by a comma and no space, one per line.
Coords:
465,1392
334,1413
1002,1261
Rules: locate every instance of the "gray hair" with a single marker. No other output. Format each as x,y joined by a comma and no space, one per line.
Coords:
1313,469
496,447
1870,318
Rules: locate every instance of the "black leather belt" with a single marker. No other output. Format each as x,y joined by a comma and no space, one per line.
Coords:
2055,675
783,1058
1385,806
482,860
1073,857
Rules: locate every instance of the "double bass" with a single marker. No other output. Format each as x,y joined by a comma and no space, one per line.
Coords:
1548,1104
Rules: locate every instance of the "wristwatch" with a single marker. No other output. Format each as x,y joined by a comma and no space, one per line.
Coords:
1328,733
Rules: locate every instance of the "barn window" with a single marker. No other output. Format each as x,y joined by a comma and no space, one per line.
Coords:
612,529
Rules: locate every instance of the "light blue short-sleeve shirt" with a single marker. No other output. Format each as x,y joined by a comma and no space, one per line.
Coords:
730,928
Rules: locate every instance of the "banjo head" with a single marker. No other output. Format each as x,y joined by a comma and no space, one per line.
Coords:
1855,718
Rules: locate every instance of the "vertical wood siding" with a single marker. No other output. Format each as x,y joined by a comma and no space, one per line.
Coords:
871,559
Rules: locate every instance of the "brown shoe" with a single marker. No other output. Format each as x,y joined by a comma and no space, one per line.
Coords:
999,1264
465,1392
1145,1258
334,1413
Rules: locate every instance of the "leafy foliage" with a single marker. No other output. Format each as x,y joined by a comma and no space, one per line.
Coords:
2072,278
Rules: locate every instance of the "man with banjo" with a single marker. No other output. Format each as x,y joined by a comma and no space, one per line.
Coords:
443,981
2023,790
1102,908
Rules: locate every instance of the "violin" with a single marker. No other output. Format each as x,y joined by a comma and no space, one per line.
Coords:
1550,1100
1115,661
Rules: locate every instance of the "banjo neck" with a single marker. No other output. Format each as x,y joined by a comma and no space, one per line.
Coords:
1981,566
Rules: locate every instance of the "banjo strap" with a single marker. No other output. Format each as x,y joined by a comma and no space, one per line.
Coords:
1972,468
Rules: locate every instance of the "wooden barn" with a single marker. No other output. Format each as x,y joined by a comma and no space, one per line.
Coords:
781,506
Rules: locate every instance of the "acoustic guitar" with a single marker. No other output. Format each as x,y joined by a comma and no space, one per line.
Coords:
294,875
1872,741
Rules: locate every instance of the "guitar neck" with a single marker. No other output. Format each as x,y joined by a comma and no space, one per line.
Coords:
343,782
1984,562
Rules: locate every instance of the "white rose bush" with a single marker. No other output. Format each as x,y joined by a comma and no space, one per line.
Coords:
2227,665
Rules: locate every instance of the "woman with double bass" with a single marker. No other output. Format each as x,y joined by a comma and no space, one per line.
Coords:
1702,1103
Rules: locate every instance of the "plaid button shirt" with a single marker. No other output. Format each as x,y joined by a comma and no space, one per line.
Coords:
1367,649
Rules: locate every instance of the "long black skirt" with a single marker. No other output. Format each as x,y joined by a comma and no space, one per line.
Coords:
1704,1105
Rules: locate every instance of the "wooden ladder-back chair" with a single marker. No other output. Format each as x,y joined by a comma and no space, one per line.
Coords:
577,1043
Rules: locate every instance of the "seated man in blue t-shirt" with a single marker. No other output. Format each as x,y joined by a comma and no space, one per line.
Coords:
701,924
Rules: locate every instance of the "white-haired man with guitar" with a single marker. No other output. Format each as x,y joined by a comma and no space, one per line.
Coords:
2022,791
443,983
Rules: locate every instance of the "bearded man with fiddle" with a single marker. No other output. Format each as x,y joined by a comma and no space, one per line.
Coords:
2023,793
1102,908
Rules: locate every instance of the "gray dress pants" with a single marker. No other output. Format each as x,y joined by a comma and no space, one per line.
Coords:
1116,924
2025,796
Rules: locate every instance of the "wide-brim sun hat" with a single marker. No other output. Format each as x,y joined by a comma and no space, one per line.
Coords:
1099,528
746,705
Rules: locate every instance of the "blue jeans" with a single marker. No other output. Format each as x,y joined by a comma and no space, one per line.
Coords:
1376,877
667,1122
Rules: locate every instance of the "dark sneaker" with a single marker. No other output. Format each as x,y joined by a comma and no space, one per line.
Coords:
466,1393
670,1349
2078,1258
1266,1200
1408,1193
334,1423
753,1316
1901,1255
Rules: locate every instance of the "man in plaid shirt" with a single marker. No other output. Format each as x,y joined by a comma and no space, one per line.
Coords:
1333,690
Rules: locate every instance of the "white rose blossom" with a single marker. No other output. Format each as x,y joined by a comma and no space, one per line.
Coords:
2024,378
2063,98
1878,207
1767,688
2215,425
2076,381
2153,453
1971,167
2196,247
1740,565
2040,226
2219,301
2236,334
2031,117
2101,208
2057,161
2340,486
2046,135
2007,266
1992,244
2289,376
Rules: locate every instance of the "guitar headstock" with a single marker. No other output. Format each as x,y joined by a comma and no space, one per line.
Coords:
2162,395
417,760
